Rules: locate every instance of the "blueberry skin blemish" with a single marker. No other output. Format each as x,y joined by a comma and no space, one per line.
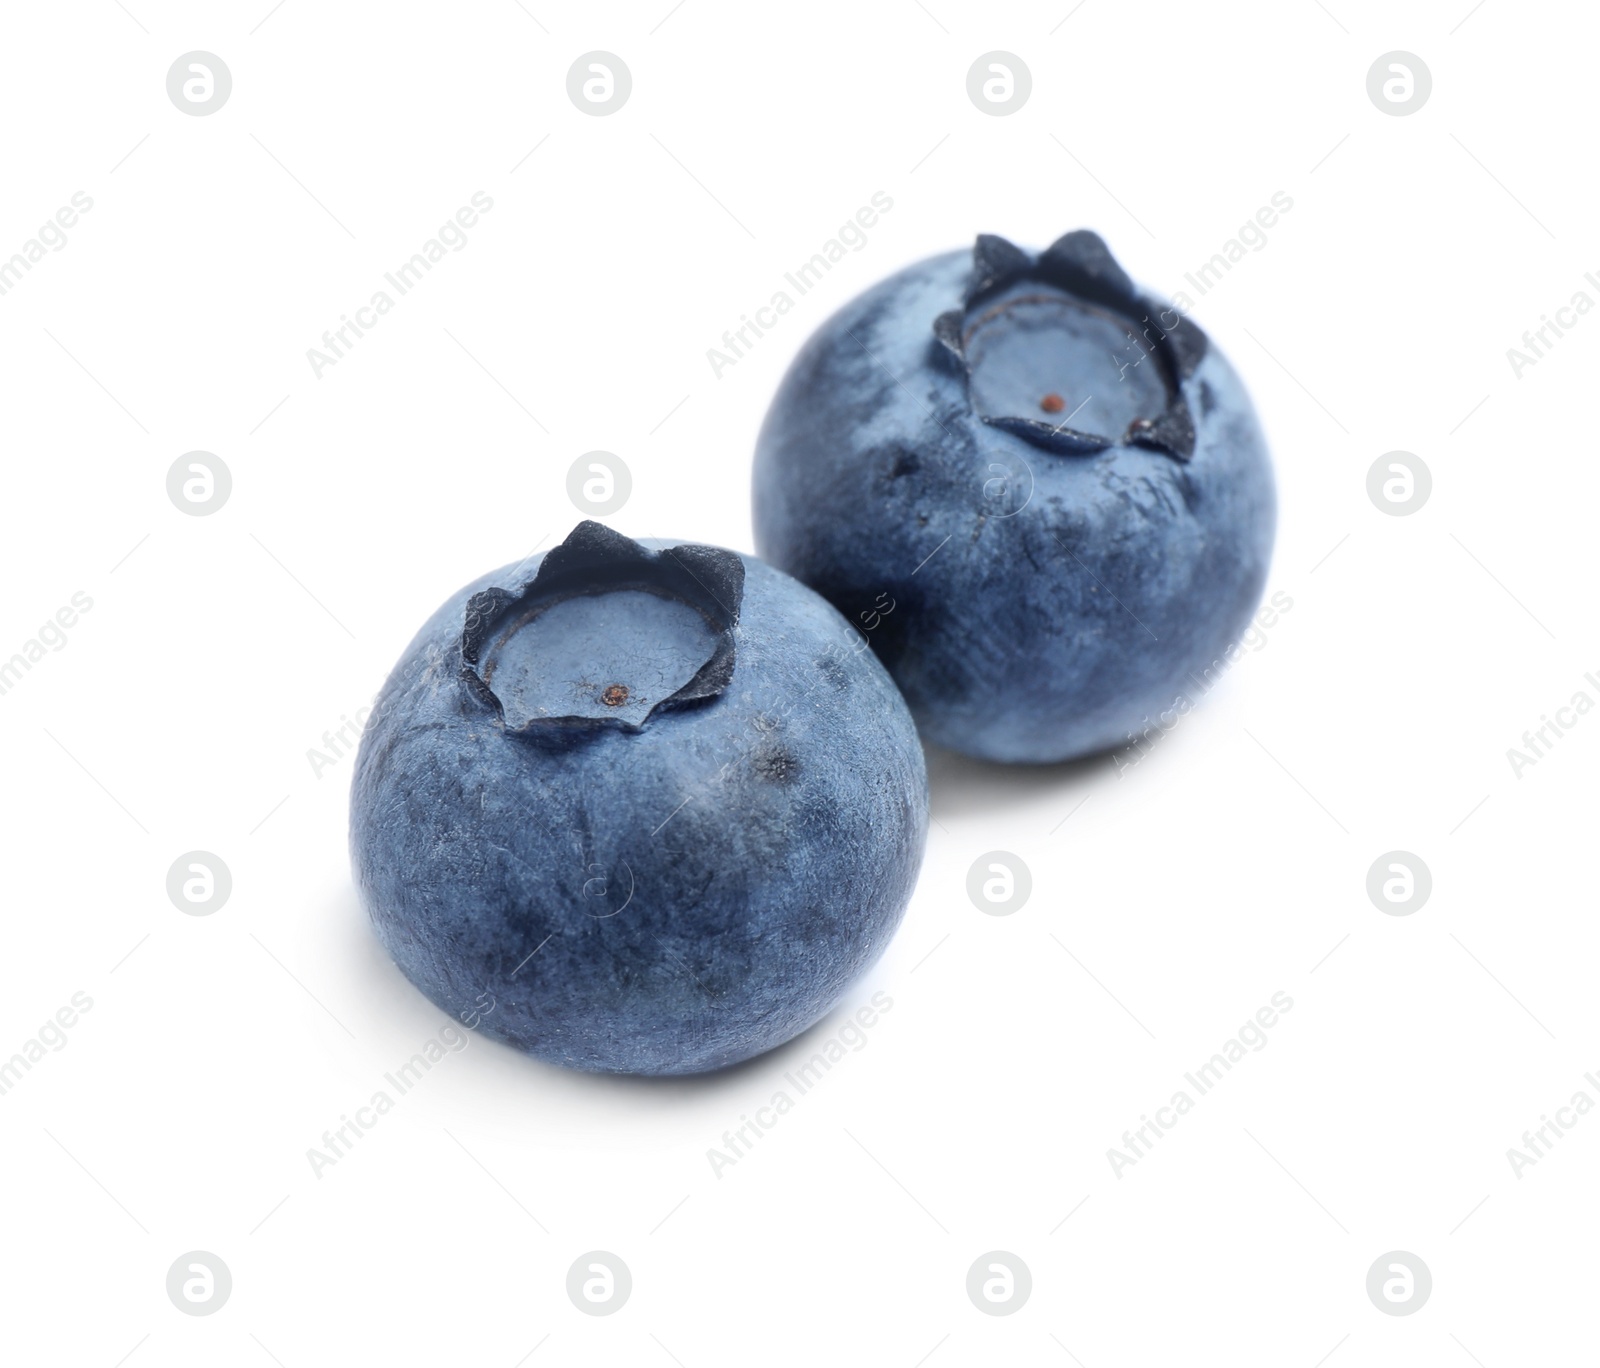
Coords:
657,804
1057,479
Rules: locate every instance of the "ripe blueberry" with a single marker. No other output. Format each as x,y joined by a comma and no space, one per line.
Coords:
1057,479
657,804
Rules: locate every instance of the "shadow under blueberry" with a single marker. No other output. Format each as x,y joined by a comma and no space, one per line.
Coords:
773,1065
960,786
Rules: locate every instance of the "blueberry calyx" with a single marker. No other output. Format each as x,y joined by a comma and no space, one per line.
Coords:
995,262
1079,270
688,635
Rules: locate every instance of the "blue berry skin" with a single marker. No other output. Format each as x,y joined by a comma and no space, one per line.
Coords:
1057,480
637,808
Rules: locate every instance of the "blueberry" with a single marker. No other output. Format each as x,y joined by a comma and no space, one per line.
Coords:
637,808
1057,480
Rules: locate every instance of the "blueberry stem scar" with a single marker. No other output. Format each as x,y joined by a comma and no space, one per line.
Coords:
687,597
1077,287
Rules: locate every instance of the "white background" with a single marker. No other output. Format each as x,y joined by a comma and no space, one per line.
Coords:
1167,907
